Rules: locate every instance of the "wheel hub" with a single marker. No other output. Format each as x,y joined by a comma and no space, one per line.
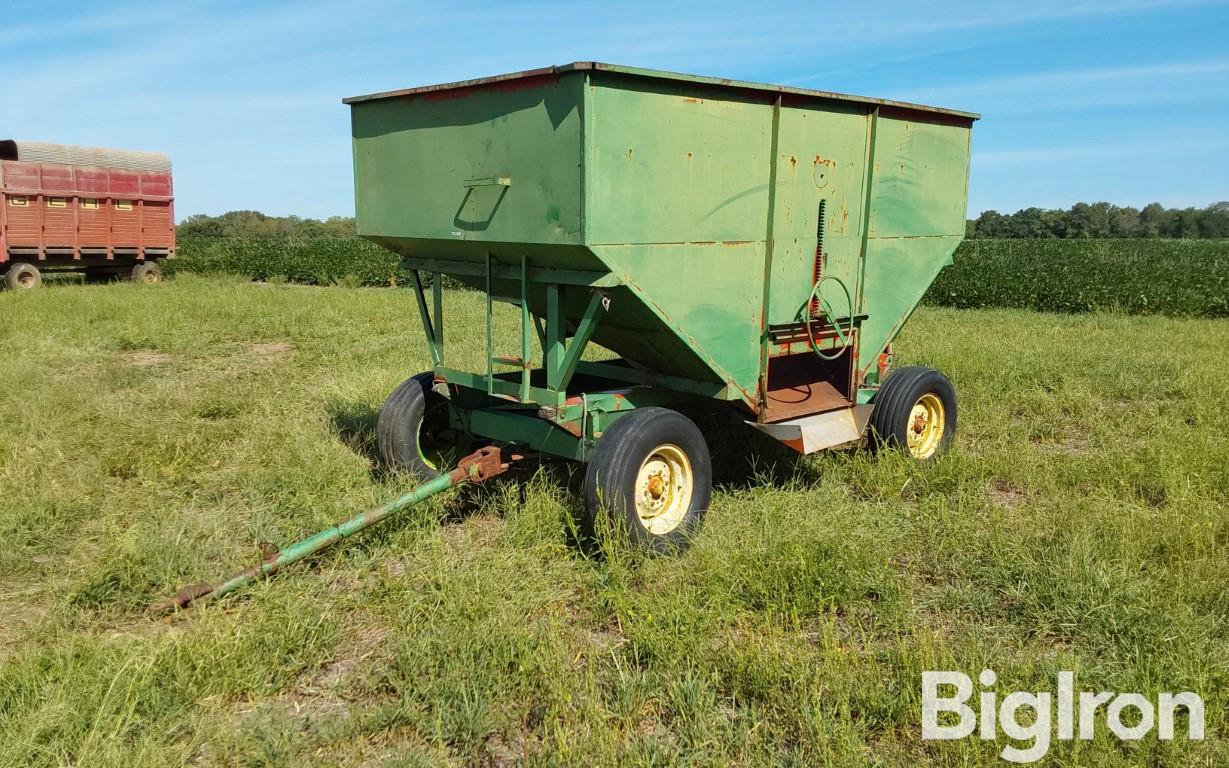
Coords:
926,425
439,442
664,486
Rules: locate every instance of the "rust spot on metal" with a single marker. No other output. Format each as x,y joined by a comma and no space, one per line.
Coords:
268,552
796,444
482,464
183,598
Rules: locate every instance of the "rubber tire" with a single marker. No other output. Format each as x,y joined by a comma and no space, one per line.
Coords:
611,476
399,424
143,272
20,269
893,407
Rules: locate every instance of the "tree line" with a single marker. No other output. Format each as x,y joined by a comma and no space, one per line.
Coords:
1082,220
257,224
1103,220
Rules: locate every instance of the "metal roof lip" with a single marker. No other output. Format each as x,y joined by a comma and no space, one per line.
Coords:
656,74
50,153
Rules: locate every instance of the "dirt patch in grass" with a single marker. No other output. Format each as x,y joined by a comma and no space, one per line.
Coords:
364,643
271,348
1005,496
1066,446
24,607
145,358
500,751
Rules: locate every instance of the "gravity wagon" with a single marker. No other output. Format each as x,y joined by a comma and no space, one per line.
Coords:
755,245
737,245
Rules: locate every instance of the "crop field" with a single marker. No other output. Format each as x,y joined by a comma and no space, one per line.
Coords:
152,437
1138,276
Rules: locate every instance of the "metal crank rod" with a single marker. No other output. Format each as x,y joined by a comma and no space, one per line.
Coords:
481,465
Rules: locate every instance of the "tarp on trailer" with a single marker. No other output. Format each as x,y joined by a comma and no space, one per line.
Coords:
65,154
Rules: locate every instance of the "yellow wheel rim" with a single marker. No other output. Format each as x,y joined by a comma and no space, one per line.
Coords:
664,486
926,423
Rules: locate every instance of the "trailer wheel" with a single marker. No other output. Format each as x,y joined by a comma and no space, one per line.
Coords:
915,412
414,431
22,276
147,273
651,474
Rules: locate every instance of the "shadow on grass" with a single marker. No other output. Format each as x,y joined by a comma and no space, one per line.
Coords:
742,458
355,425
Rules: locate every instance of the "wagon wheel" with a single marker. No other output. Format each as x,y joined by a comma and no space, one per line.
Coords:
651,476
817,298
915,412
416,432
147,273
22,276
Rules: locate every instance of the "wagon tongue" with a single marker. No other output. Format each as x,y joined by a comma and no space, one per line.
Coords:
479,466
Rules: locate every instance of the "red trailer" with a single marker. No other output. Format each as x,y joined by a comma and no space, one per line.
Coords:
101,212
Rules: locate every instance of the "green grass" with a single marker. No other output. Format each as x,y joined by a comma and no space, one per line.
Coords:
151,437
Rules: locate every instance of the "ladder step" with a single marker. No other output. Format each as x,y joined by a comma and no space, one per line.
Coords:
515,362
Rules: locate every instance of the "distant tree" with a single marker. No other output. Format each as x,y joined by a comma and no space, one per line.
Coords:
200,224
1154,221
1030,222
1187,224
1124,222
990,224
1215,221
1089,221
340,226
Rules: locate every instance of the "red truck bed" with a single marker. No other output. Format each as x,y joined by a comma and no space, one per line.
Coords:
75,208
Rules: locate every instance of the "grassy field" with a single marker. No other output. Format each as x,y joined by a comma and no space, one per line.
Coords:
151,437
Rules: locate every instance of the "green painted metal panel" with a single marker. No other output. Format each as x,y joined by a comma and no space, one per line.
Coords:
822,155
917,215
707,297
429,167
670,162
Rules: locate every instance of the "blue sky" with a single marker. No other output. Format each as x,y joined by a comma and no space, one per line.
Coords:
1118,100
